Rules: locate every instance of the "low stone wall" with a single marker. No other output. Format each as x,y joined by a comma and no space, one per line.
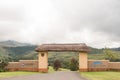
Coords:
93,65
98,65
114,66
13,66
23,65
28,65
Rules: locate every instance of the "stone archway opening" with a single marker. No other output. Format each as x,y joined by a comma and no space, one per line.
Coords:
64,59
43,50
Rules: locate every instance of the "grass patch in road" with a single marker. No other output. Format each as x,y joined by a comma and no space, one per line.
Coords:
101,75
16,73
52,70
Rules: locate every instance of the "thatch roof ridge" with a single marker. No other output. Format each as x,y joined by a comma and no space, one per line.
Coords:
65,44
63,47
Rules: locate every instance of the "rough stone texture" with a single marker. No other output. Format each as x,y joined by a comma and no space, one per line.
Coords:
114,65
13,66
68,75
43,62
44,70
83,62
23,65
98,65
93,65
83,69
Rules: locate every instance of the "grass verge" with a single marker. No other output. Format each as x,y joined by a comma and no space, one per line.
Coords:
61,69
21,73
16,73
101,75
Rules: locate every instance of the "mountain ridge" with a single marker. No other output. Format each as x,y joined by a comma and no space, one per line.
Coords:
17,51
12,43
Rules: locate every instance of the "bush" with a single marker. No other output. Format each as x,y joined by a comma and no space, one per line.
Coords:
65,64
111,55
73,65
3,66
57,65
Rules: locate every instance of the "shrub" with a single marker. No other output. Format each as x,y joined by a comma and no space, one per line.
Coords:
65,64
3,66
57,65
73,65
111,55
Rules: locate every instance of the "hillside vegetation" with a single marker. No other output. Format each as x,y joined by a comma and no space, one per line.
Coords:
15,51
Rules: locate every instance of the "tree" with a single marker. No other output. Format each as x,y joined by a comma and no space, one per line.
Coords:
3,63
111,55
73,64
57,65
2,66
65,64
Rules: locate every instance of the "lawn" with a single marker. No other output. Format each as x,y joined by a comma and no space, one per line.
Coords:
17,73
89,75
52,70
101,75
21,73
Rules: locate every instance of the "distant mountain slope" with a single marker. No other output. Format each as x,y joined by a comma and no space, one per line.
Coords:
21,51
11,43
17,51
3,54
116,49
95,51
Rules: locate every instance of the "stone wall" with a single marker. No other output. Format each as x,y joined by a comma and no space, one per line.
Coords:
13,66
98,65
103,65
93,65
114,66
28,65
23,65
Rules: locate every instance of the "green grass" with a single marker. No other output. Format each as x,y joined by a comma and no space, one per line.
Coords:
17,73
101,75
52,70
89,75
21,73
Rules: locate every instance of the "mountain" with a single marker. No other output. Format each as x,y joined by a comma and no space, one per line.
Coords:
116,49
20,52
11,43
3,53
95,50
17,51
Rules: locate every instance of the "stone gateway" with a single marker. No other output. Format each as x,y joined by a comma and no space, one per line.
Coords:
45,48
41,65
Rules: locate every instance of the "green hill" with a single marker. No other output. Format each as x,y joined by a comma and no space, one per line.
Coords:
4,54
16,51
21,52
11,43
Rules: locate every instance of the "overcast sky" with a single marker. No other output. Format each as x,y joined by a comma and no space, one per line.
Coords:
94,22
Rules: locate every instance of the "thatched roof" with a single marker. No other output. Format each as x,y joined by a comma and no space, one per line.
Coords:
63,47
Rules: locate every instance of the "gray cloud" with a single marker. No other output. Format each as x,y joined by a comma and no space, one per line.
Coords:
99,16
7,14
95,22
